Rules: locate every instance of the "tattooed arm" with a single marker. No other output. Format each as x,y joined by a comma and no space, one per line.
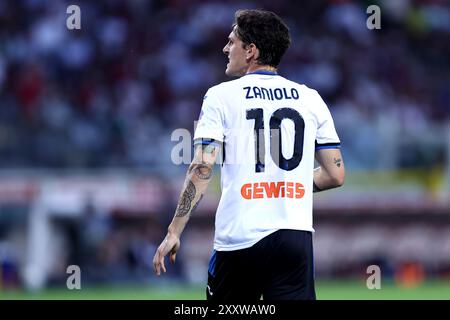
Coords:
331,172
197,179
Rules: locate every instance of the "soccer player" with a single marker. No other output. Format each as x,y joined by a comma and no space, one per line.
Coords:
269,131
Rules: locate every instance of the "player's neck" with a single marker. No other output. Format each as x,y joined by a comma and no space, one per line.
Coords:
255,68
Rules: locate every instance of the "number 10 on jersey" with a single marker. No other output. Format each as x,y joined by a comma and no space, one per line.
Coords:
276,138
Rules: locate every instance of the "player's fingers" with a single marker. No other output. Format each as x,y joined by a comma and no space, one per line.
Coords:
156,264
156,268
162,251
158,261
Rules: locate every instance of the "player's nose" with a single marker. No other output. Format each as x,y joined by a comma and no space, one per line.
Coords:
225,50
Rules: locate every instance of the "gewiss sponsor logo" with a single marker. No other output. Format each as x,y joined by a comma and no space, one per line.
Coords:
282,189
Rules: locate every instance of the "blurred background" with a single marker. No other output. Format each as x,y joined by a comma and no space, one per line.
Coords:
86,122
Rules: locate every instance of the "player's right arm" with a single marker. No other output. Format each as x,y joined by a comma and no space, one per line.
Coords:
196,182
208,139
331,172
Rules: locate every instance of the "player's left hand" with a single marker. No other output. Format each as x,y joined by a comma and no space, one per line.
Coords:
171,243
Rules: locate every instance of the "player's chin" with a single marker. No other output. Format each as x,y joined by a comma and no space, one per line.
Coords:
228,71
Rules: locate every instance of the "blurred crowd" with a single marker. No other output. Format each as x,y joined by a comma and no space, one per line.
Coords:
110,94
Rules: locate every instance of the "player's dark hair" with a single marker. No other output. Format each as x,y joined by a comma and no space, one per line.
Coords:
267,31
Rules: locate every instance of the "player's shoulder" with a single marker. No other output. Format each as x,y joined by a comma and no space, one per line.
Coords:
309,95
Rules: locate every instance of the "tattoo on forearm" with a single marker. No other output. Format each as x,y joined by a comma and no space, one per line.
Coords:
196,204
203,171
337,162
186,198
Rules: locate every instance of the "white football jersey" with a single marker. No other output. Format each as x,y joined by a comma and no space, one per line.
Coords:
264,187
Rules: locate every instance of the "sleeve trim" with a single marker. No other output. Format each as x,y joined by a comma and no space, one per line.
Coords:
334,145
207,142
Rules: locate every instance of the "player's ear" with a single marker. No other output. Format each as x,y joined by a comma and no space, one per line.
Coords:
252,52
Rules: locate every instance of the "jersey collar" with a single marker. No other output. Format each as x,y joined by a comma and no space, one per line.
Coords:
266,72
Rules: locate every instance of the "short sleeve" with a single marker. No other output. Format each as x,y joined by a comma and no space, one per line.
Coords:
210,122
326,136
